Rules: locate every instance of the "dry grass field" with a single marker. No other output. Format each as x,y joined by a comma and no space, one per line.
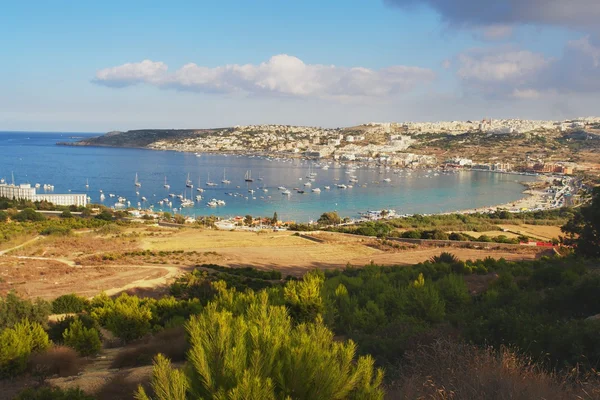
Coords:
542,232
89,263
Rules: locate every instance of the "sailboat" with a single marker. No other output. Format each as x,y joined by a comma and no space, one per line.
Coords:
208,182
188,183
166,185
199,189
137,183
87,184
225,181
248,177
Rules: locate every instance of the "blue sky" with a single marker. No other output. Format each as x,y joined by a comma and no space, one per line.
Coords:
98,66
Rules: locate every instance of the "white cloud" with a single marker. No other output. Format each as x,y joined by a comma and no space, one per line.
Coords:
131,73
280,75
508,72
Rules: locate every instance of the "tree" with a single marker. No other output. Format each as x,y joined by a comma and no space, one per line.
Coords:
329,218
28,214
167,216
105,216
86,213
242,347
3,216
179,219
275,218
66,214
86,341
248,220
583,229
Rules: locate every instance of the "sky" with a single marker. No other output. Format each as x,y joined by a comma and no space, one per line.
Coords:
118,65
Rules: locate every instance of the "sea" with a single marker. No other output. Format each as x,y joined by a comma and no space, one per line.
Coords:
35,157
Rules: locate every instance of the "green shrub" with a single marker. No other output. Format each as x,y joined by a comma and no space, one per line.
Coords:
56,230
127,317
85,340
3,216
422,300
16,345
46,393
66,214
28,214
454,291
55,332
69,303
14,309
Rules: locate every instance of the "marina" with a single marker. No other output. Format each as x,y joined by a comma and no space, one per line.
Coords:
163,181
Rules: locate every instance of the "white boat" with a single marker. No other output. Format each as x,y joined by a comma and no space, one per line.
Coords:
37,185
316,190
144,199
326,187
251,191
221,202
212,203
225,181
308,184
102,197
171,195
281,188
161,202
208,182
325,167
87,184
248,176
137,183
188,183
187,203
387,180
342,186
198,198
286,192
111,195
166,185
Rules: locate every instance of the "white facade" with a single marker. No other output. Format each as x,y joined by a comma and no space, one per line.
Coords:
26,192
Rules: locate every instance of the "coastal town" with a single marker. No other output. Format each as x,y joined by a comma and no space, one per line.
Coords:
488,144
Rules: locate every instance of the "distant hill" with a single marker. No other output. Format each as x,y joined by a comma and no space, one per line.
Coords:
140,137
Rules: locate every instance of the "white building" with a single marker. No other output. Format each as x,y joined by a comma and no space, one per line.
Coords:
26,192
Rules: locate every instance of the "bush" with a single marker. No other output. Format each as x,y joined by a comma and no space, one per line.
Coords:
16,345
28,214
55,332
56,230
46,393
66,214
422,300
69,303
14,309
85,340
170,342
3,216
127,317
58,360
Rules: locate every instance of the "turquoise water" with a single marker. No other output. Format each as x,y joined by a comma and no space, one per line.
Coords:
35,158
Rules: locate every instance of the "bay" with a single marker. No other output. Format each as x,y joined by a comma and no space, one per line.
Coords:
34,157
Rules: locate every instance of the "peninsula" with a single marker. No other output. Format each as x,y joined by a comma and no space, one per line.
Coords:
488,144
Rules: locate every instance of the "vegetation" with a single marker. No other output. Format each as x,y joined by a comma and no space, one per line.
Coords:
242,346
583,229
69,303
86,341
46,393
18,343
13,310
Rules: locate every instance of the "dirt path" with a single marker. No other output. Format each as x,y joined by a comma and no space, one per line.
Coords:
172,272
2,252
